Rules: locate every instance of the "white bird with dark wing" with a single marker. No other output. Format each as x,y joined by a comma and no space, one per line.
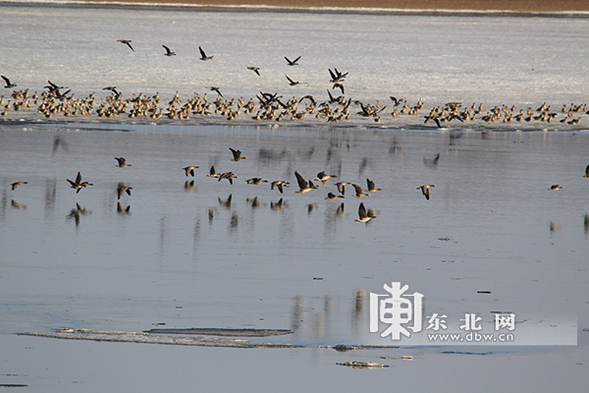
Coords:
364,215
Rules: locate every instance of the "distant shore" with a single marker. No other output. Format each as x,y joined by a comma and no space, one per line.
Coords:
477,5
517,7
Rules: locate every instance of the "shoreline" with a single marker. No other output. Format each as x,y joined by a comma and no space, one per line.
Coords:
443,8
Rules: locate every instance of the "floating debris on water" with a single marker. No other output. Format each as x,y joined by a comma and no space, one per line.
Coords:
356,364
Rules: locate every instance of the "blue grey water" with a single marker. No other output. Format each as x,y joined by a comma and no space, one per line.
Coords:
492,237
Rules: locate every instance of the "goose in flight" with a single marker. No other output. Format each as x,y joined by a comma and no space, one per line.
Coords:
121,162
203,56
371,187
279,184
18,183
189,170
254,69
122,188
227,175
332,197
292,62
256,180
323,177
237,155
78,184
9,85
291,82
359,192
303,185
341,187
555,187
363,215
212,172
127,42
216,90
425,190
168,51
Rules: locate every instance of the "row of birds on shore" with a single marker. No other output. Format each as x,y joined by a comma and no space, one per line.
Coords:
269,107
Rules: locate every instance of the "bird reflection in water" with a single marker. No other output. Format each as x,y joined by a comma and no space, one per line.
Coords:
77,213
226,203
124,211
233,223
189,186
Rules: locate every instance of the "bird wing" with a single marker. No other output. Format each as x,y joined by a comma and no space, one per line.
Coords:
357,188
587,171
78,178
202,52
362,211
301,180
370,184
236,153
6,80
167,49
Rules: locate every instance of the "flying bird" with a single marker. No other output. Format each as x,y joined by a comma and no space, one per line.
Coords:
555,187
8,84
256,180
254,69
279,184
227,175
371,187
292,82
168,51
292,62
212,172
203,56
122,188
121,162
303,185
189,170
236,155
216,90
363,215
359,192
78,184
323,177
332,197
128,43
341,187
425,190
18,183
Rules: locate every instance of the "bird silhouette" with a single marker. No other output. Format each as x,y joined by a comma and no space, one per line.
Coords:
128,43
425,190
292,62
121,162
203,56
363,215
254,69
237,155
168,51
9,85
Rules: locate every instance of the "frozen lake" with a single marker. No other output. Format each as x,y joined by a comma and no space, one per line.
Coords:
182,252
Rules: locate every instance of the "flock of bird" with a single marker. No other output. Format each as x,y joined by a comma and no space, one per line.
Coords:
304,186
271,107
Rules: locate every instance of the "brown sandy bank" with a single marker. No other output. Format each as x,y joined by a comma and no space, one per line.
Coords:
478,5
